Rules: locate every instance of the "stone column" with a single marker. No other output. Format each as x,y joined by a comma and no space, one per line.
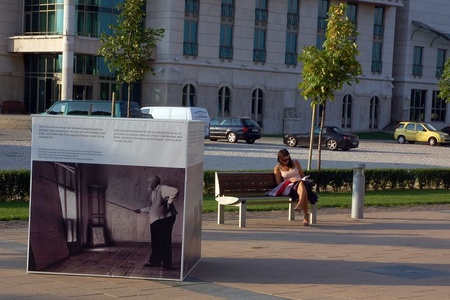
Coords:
68,50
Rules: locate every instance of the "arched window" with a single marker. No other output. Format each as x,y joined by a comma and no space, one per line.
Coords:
347,111
373,117
257,106
188,95
223,104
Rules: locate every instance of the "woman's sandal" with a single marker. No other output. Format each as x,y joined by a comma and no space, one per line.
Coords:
306,220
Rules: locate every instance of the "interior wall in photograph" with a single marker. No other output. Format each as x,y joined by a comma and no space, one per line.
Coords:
93,197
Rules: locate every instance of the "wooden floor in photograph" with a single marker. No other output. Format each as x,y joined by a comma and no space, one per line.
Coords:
120,260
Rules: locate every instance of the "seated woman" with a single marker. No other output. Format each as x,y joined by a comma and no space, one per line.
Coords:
288,169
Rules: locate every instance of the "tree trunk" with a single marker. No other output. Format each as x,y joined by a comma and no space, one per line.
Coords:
129,100
311,136
319,147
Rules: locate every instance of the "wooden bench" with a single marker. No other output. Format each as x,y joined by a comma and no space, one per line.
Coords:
242,188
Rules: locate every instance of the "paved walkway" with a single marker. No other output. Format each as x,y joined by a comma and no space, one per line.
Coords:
386,255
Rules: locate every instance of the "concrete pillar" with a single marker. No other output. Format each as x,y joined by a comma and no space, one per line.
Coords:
68,50
358,191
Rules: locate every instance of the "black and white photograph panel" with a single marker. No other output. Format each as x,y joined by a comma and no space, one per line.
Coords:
107,220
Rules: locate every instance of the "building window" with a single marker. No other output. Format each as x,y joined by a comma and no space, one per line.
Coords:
347,111
417,106
292,13
373,117
440,62
352,13
378,22
190,46
291,48
226,30
188,95
259,45
85,64
257,106
223,104
320,40
192,6
93,19
226,42
417,61
438,106
261,11
291,33
227,8
324,6
377,63
43,18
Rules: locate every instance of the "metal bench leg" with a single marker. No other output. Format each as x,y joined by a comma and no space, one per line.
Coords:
291,216
220,214
313,214
242,214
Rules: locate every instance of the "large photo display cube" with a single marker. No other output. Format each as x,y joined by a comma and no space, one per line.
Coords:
115,197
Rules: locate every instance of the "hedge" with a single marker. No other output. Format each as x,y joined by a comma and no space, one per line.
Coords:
341,180
15,185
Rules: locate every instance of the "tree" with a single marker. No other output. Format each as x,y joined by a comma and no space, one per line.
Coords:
444,83
326,70
128,51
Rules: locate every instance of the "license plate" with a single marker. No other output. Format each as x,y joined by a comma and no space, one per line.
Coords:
255,130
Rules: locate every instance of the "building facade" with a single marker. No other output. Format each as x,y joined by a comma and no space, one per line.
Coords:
233,58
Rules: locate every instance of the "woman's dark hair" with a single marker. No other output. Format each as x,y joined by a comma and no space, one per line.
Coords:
283,153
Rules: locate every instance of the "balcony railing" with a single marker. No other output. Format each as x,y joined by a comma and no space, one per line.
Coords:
226,52
291,58
417,70
190,48
321,23
261,15
259,55
192,6
378,30
227,10
292,19
377,66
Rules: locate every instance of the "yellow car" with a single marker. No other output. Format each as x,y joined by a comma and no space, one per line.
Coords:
412,132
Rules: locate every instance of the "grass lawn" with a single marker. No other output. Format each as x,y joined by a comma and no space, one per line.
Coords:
18,210
14,210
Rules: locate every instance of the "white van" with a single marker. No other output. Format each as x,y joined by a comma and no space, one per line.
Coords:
178,113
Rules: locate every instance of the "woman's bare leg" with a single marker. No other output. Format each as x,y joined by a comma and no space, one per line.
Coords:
303,202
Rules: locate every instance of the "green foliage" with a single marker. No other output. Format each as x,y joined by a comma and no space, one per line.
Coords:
326,70
14,185
444,83
129,49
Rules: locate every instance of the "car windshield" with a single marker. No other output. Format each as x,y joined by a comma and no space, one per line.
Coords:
429,127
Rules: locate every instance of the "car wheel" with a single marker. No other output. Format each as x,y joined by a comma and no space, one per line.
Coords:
250,141
331,145
291,141
401,139
231,137
432,141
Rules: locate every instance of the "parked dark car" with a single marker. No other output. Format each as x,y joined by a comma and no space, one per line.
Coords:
446,129
333,138
234,129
